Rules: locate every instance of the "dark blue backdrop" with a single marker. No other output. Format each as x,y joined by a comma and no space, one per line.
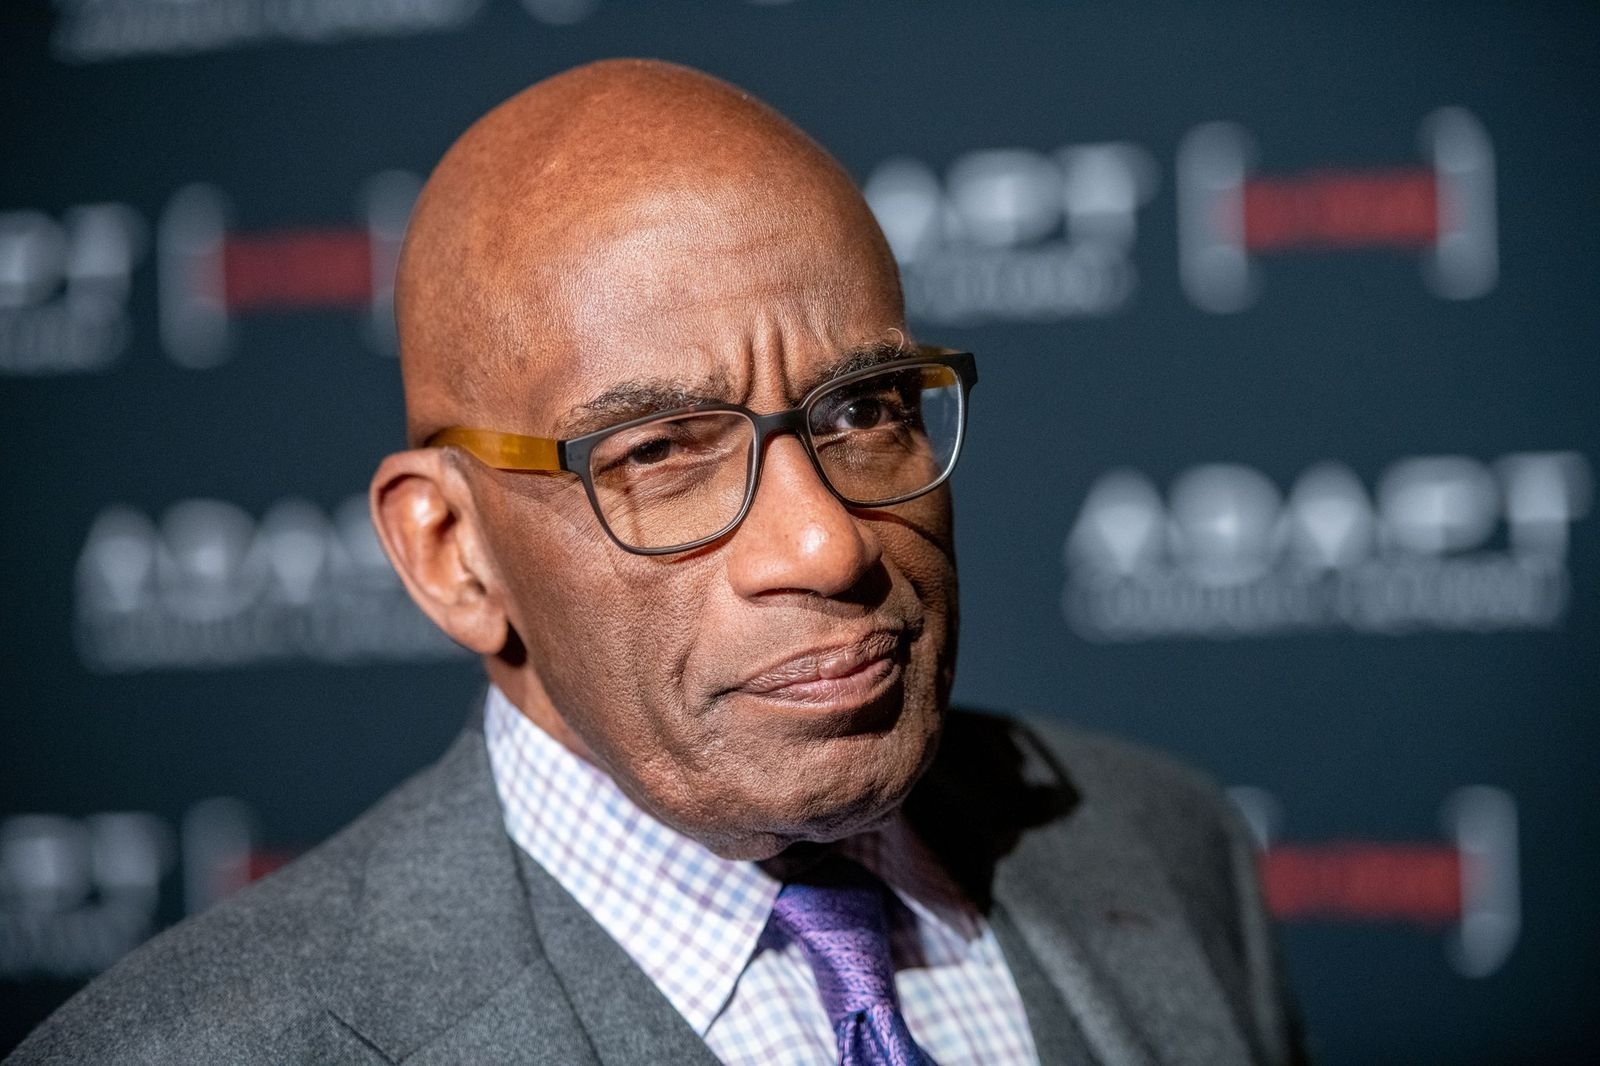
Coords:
1282,459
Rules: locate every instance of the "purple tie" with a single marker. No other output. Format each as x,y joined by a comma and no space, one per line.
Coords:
840,922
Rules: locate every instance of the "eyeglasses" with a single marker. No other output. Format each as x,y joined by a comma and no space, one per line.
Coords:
676,480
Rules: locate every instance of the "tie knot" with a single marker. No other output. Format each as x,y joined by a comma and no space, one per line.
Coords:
840,921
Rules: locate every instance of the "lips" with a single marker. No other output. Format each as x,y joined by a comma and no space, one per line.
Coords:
840,675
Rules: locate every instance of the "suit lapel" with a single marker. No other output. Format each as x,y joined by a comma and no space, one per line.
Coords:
1056,1036
628,1019
442,962
1094,904
1081,892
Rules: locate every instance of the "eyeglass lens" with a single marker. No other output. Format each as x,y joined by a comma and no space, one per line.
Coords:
682,478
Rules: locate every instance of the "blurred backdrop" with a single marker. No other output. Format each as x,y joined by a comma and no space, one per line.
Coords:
1283,455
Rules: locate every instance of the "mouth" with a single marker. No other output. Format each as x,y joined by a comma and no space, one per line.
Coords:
833,678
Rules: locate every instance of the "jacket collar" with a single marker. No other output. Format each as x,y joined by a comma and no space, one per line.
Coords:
628,1020
1085,893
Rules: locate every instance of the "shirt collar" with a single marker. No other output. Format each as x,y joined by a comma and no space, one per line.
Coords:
689,918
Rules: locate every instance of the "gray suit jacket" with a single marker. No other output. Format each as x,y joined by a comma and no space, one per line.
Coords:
1120,886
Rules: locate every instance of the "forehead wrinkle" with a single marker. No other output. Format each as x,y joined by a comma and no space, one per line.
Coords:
634,272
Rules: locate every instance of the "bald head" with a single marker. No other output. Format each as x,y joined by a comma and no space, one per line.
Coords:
564,192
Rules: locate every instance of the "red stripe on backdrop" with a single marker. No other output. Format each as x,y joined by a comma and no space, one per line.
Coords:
297,268
1364,882
1342,209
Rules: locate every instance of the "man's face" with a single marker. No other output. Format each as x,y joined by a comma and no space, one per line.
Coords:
788,681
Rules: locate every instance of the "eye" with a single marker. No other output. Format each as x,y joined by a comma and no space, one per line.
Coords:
861,413
865,412
621,456
649,452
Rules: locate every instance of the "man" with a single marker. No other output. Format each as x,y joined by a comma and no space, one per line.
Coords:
677,476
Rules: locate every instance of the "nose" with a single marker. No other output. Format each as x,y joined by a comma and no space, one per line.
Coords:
798,537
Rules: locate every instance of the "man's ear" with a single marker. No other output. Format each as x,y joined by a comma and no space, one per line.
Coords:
424,513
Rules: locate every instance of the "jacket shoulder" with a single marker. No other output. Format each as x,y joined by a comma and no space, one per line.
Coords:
1205,854
1109,775
1175,809
237,983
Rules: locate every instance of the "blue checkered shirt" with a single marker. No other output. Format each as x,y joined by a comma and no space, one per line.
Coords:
696,923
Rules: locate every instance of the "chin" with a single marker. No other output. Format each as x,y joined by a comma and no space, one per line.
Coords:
846,791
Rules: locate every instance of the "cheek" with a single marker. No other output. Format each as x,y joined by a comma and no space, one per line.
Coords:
919,544
605,631
917,541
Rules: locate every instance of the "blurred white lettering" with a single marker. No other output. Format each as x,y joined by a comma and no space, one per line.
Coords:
1227,554
1013,234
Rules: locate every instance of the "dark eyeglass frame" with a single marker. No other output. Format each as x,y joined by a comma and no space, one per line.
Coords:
517,452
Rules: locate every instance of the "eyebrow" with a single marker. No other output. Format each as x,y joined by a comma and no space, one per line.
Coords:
646,396
635,399
860,358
